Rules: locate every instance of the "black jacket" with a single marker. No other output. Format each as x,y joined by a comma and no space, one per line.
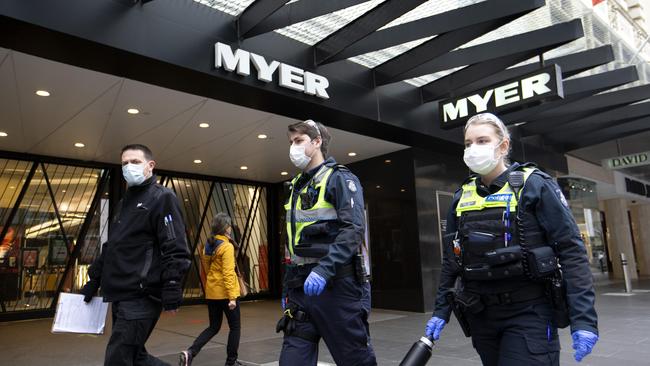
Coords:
542,198
146,248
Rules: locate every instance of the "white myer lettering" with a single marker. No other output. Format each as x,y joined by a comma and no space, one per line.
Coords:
224,57
535,84
481,103
264,71
452,112
506,94
540,85
290,77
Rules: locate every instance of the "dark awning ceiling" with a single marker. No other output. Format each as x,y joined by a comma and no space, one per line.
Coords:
461,70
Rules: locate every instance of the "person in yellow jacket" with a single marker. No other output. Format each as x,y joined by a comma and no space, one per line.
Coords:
221,290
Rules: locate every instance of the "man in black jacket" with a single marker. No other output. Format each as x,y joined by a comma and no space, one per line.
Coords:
141,266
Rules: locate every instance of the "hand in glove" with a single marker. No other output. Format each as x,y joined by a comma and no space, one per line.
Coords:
434,327
89,290
314,284
284,303
583,343
172,295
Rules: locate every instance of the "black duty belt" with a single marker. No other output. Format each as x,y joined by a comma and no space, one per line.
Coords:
301,272
513,297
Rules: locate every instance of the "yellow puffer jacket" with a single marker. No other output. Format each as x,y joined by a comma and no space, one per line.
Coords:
219,262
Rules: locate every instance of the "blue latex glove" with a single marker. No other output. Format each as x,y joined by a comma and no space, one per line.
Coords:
284,303
434,327
583,343
314,284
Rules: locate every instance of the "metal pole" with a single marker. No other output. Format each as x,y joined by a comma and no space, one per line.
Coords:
628,284
645,41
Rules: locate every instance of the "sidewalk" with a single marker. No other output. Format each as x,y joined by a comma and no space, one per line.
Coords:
624,338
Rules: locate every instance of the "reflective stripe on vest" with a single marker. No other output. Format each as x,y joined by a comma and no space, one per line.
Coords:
470,200
320,211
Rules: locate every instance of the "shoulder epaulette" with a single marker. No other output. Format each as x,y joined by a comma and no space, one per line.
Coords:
341,167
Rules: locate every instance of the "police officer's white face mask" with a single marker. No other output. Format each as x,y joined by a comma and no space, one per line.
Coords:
134,174
298,156
481,159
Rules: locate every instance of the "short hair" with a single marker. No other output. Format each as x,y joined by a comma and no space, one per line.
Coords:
497,124
145,150
220,223
313,130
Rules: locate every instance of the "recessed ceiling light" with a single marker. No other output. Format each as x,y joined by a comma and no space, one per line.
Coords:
284,173
243,167
12,187
3,134
79,144
204,125
352,154
197,161
378,187
262,136
388,161
63,191
186,200
132,111
402,190
43,93
188,185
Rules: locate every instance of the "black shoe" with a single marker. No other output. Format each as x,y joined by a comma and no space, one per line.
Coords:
185,358
236,363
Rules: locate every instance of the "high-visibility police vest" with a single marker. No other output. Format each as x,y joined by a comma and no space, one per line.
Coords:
488,233
298,218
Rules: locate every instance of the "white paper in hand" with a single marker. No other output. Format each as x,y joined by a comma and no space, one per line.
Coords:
73,315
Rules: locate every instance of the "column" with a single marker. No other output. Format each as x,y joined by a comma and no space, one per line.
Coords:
619,238
640,221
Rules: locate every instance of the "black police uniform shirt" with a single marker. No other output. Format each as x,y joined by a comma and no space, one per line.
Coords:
344,192
146,245
544,199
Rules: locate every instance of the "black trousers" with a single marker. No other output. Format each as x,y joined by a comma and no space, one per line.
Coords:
133,322
216,309
516,334
340,316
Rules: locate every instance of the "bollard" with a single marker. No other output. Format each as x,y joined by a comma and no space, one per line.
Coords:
628,284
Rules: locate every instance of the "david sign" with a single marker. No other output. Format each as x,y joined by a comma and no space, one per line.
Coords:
289,77
627,161
541,85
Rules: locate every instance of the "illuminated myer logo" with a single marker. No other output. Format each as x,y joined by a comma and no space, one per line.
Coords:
289,77
502,197
524,91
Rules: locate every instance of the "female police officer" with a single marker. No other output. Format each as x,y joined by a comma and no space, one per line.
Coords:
508,228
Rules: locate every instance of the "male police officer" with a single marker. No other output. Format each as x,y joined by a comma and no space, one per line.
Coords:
326,292
141,267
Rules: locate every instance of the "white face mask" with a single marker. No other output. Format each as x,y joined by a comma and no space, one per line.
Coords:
481,159
298,156
133,174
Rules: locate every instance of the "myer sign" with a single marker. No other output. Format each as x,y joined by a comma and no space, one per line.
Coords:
289,77
627,161
544,84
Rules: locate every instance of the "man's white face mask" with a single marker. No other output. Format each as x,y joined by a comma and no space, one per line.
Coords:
298,156
133,174
481,159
